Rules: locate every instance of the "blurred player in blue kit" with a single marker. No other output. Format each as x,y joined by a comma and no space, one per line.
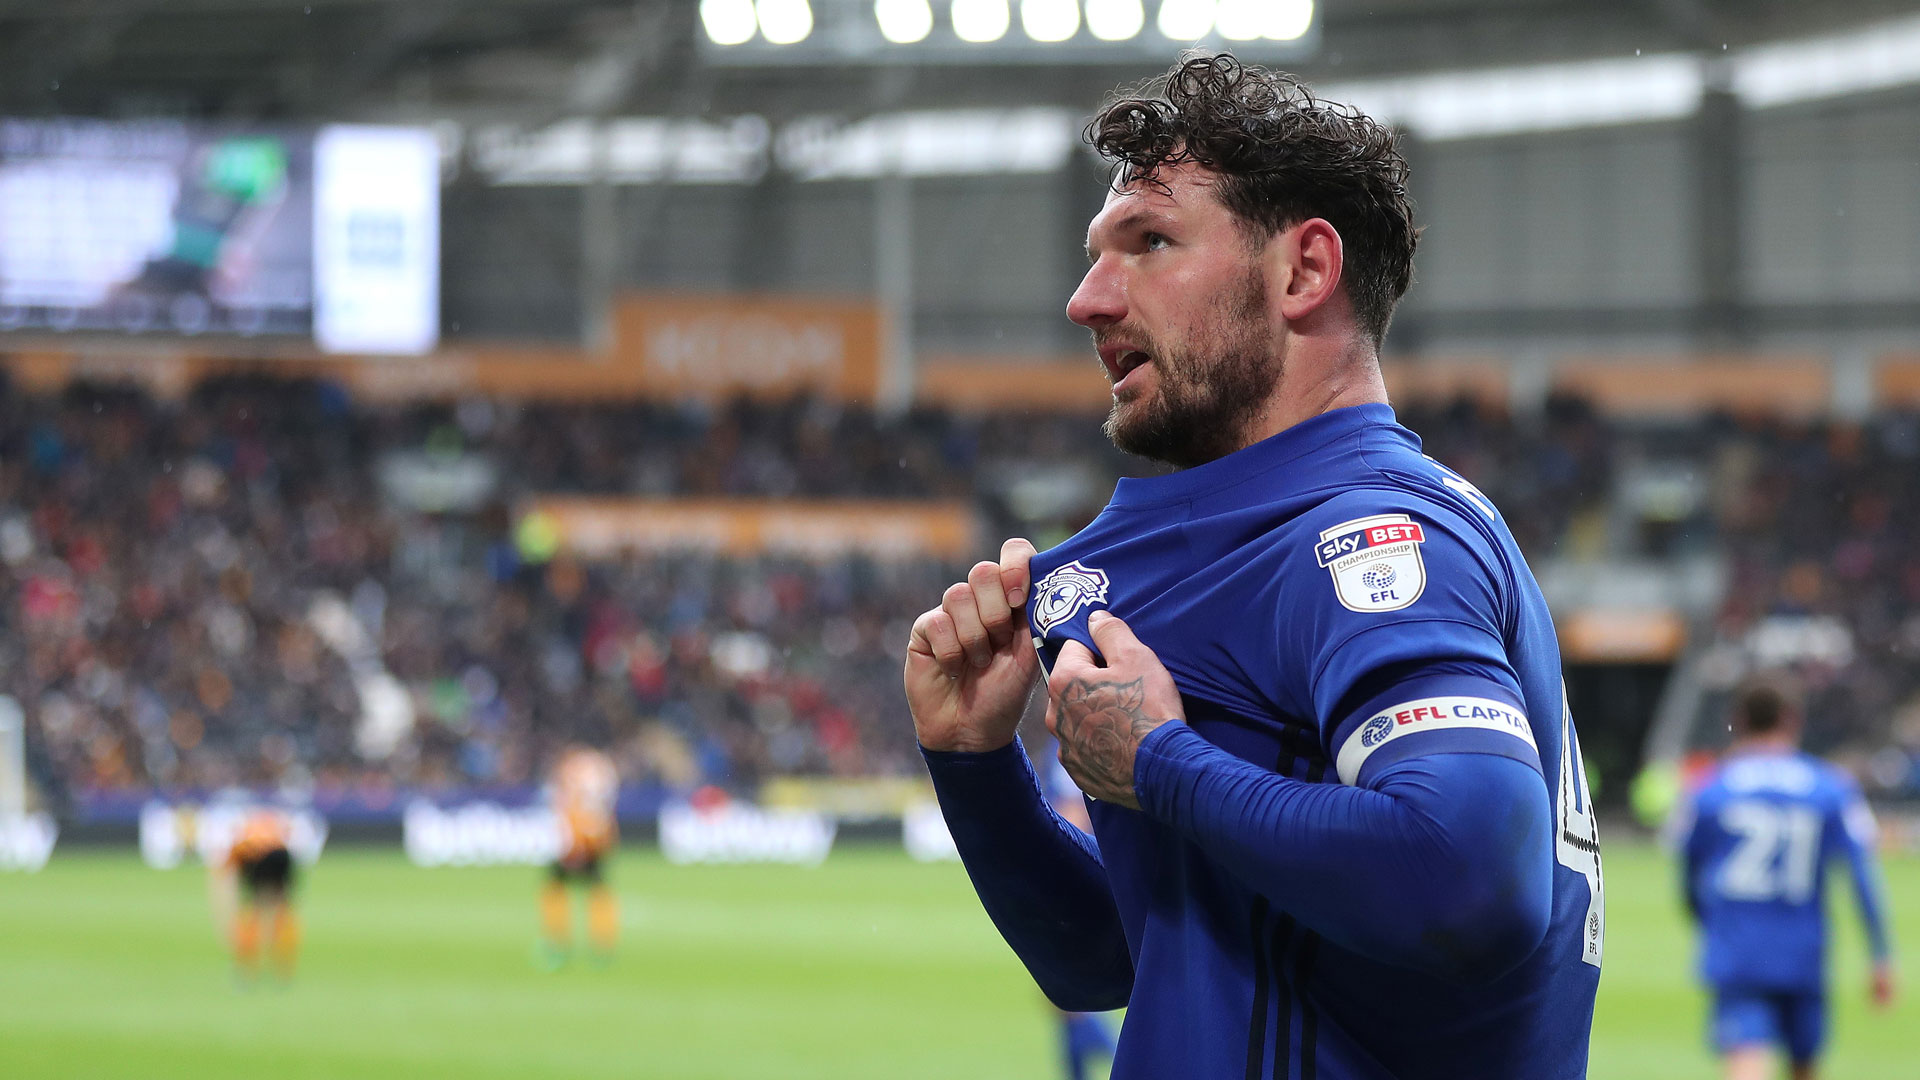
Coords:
1756,843
1341,826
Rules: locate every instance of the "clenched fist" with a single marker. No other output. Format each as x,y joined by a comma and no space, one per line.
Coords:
970,665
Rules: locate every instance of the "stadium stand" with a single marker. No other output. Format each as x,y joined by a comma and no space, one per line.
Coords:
162,562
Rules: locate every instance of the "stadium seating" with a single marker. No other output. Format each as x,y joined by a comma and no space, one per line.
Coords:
162,562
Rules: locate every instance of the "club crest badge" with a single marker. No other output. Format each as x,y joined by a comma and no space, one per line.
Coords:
1375,562
1064,593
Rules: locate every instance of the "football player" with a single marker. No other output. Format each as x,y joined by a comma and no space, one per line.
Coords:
1341,822
585,787
253,890
1760,834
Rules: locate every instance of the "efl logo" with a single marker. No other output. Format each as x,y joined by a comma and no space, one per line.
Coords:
1376,731
1375,562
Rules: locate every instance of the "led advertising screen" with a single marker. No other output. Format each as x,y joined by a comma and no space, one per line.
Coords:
173,228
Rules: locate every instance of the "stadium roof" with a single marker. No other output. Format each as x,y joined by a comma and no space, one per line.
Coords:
534,60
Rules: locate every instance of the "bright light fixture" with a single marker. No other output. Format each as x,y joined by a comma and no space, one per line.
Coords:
1544,97
728,22
1115,20
1873,58
1287,20
1241,20
785,22
981,21
903,22
1186,20
1050,20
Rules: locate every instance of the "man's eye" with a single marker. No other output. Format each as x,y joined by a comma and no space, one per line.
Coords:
1156,241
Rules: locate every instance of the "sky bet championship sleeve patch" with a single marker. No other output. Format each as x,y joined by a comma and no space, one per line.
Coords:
1427,714
1375,562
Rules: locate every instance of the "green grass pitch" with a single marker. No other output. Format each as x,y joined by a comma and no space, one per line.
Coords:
868,966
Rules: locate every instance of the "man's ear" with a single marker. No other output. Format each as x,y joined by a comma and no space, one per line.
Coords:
1311,261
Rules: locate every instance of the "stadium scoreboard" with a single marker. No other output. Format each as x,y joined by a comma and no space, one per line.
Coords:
173,228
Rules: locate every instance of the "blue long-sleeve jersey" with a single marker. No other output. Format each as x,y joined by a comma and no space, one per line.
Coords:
1763,830
1368,852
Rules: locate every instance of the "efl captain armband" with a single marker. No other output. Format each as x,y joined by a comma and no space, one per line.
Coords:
1428,714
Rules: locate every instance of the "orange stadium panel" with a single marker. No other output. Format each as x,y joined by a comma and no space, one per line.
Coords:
1069,382
1601,636
1793,385
1482,379
1041,383
764,345
664,347
1896,380
604,527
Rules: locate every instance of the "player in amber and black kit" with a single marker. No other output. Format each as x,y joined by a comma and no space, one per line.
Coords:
254,891
585,788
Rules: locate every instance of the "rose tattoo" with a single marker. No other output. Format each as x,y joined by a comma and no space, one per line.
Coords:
1100,723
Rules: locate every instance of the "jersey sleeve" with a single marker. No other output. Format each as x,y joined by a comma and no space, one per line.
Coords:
1858,826
1853,825
1687,831
1393,632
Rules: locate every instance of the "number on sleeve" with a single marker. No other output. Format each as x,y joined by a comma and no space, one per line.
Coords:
1466,489
1577,836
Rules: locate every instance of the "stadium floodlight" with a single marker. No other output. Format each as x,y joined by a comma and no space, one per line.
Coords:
1875,57
1050,20
1287,20
1243,20
1543,97
728,22
981,21
785,22
1115,20
903,22
1186,20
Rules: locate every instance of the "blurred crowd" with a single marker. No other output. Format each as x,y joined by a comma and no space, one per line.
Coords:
1818,524
231,589
269,584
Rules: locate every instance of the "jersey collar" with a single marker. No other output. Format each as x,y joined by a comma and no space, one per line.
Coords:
1262,458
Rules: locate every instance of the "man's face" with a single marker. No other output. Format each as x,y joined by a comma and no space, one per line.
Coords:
1176,299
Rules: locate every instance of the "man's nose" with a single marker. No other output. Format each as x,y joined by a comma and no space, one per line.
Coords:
1101,299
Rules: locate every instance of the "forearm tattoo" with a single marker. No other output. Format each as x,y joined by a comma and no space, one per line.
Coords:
1100,725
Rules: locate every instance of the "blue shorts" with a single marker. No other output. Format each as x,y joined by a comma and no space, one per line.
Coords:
1793,1021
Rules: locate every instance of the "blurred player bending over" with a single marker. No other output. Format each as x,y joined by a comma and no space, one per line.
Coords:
253,885
585,787
1341,819
1762,832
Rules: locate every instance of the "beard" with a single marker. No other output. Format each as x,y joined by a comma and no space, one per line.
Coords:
1207,390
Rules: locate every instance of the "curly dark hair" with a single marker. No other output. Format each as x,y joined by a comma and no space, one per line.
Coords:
1283,157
